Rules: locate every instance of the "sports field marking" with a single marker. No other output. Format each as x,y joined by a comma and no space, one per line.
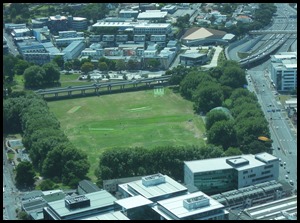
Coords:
100,129
74,109
140,109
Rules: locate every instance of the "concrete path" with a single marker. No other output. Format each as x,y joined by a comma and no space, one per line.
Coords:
214,61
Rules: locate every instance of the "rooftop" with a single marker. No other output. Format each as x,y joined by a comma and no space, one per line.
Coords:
168,187
132,202
98,199
242,162
176,205
117,215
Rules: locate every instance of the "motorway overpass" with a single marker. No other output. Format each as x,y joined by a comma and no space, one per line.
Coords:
97,86
261,32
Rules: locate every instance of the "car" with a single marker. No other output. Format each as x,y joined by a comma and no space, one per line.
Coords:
278,148
291,182
288,171
281,164
286,176
284,163
279,160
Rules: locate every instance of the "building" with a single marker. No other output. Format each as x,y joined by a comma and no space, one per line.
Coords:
169,9
67,34
80,206
243,19
152,28
116,215
10,26
253,195
203,36
30,46
136,208
57,23
86,186
193,59
128,13
284,71
41,34
153,187
73,50
21,32
283,209
227,173
77,23
66,41
39,22
195,206
152,15
112,184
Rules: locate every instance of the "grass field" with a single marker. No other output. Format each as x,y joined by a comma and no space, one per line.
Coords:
128,119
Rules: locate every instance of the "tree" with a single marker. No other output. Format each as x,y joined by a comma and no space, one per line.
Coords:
207,96
22,215
120,65
25,174
232,151
87,67
233,77
131,64
34,77
76,64
191,82
153,64
52,73
20,67
103,66
9,62
68,65
222,133
213,117
59,60
46,185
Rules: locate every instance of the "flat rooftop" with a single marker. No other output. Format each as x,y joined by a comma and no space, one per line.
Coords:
168,187
133,202
176,207
245,161
98,199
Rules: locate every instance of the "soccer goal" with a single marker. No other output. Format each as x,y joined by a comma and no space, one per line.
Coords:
159,91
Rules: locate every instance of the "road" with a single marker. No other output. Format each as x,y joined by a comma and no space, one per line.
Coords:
282,131
11,46
11,196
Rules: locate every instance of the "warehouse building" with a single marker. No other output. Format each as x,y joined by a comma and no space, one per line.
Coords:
227,173
73,50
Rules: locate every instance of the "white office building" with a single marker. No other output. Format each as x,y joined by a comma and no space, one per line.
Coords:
218,175
152,28
284,71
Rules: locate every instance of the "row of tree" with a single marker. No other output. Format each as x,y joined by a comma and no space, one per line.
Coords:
49,149
139,161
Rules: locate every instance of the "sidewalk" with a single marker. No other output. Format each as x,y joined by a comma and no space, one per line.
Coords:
214,60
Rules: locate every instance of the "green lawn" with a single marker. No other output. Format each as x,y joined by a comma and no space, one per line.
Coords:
128,119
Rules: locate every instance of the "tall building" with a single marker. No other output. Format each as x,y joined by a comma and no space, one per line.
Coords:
284,71
227,173
77,23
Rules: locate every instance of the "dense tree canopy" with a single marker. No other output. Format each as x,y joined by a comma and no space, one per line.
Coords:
25,174
213,117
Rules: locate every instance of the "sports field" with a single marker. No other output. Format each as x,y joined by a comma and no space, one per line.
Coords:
128,119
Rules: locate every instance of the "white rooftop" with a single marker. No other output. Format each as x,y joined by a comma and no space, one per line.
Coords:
246,161
149,14
132,202
175,206
168,187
